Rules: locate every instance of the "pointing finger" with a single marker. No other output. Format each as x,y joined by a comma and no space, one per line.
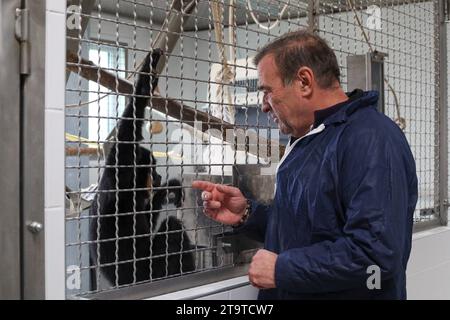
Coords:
203,185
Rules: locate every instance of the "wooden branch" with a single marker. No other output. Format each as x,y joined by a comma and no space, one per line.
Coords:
186,114
88,70
84,151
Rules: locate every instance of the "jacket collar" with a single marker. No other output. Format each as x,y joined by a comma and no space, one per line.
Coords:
345,109
367,99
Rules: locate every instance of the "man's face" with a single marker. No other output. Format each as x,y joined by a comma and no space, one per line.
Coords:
285,104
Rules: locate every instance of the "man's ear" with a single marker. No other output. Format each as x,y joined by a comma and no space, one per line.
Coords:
305,78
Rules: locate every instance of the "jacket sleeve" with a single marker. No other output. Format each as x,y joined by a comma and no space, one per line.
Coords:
378,189
255,226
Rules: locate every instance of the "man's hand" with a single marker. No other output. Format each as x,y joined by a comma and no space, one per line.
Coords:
222,203
262,269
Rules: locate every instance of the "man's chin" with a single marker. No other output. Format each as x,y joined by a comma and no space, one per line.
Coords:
283,129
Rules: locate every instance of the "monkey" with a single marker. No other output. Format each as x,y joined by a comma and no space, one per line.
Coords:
125,219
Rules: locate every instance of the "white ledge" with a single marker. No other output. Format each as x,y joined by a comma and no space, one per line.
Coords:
205,290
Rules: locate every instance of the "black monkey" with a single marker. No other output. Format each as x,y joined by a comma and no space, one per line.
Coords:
169,241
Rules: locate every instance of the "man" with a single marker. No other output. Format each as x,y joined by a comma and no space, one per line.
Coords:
340,225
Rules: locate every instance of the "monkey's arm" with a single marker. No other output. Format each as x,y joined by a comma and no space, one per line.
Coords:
132,117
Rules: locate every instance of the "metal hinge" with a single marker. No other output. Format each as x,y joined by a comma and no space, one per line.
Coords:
22,30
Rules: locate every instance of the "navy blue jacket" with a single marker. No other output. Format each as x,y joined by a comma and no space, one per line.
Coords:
344,201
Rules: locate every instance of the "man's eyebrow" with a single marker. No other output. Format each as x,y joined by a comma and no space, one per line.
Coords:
263,87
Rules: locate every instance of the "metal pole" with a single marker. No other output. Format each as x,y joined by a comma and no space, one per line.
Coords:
32,156
441,7
10,283
313,15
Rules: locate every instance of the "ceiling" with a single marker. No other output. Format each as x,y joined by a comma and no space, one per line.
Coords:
157,10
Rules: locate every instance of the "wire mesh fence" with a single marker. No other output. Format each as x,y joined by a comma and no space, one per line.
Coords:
163,93
407,33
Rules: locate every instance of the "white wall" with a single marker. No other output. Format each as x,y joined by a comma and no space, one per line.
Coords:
55,54
429,265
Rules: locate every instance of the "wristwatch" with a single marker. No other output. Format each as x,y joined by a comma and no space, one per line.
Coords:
246,214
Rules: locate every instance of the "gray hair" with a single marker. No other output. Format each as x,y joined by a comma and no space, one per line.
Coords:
301,48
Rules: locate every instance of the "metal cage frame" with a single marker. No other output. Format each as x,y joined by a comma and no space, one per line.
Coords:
23,181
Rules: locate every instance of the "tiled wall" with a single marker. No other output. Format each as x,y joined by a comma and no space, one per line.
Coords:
54,149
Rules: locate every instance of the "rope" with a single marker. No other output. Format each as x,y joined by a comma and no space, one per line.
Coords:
226,74
259,24
401,122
